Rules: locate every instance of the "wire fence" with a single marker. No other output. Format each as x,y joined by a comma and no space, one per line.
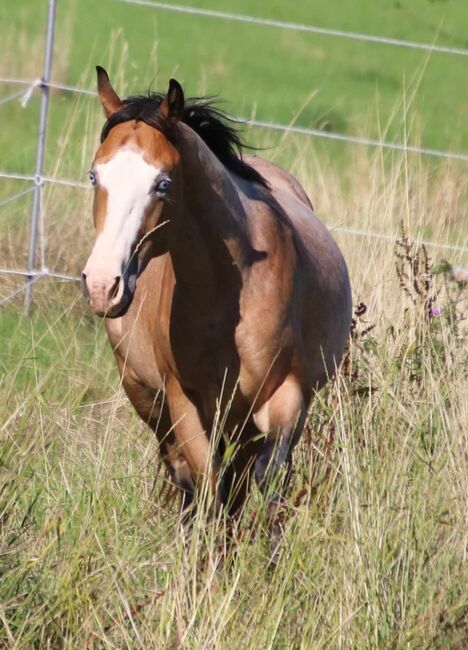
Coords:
45,84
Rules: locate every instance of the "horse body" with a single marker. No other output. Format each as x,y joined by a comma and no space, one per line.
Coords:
241,304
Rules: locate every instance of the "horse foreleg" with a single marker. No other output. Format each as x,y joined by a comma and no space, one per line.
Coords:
193,443
282,420
153,410
237,472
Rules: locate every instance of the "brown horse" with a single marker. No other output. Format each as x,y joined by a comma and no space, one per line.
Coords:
222,291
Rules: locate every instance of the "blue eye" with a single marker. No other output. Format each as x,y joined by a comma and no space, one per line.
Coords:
92,177
162,185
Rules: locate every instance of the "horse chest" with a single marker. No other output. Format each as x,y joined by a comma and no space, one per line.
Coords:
133,346
203,350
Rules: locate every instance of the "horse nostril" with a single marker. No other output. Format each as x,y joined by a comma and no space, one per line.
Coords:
115,288
85,286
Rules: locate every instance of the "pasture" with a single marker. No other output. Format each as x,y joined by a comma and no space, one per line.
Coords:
92,553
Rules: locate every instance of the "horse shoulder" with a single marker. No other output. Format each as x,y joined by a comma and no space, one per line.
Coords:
265,333
321,259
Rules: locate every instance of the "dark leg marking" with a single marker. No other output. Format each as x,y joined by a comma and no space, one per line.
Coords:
275,454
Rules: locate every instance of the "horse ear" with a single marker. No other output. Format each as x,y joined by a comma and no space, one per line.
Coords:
172,106
110,101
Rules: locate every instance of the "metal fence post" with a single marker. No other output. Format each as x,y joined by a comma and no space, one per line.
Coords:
44,111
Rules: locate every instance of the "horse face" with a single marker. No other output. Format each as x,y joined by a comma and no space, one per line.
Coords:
132,174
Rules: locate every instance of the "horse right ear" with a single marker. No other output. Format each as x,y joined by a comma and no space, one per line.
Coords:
172,106
110,101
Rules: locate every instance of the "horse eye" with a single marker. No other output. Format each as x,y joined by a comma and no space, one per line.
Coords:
92,177
162,186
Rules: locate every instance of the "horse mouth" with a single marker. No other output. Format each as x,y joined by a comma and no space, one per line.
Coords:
116,311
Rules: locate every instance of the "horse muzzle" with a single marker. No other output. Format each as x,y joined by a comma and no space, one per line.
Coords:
104,294
108,294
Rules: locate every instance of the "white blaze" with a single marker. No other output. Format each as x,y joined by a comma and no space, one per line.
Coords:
128,180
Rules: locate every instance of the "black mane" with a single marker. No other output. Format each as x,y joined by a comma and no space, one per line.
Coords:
213,126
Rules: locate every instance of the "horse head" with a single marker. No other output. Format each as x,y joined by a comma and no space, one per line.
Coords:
132,173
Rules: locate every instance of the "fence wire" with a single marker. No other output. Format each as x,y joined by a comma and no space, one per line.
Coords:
354,139
9,98
16,196
15,293
298,27
45,84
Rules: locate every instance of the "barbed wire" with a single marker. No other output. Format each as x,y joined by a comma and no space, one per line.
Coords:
251,122
72,89
299,27
45,272
67,182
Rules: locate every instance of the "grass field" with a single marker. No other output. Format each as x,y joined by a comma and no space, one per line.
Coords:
92,554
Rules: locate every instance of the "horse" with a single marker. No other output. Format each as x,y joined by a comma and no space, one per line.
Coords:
222,293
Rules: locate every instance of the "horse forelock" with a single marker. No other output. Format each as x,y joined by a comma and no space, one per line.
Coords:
138,108
154,146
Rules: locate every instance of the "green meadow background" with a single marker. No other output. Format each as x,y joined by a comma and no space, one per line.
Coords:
273,74
92,552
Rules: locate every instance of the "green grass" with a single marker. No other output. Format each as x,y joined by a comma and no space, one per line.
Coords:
332,83
92,553
32,346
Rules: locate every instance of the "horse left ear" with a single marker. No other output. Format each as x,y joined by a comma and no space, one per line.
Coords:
172,106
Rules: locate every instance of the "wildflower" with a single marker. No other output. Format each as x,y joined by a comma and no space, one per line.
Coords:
435,311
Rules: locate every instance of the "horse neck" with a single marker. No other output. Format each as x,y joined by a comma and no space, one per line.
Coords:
209,242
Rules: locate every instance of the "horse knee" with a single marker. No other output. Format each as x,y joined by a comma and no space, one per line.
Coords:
283,409
281,418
